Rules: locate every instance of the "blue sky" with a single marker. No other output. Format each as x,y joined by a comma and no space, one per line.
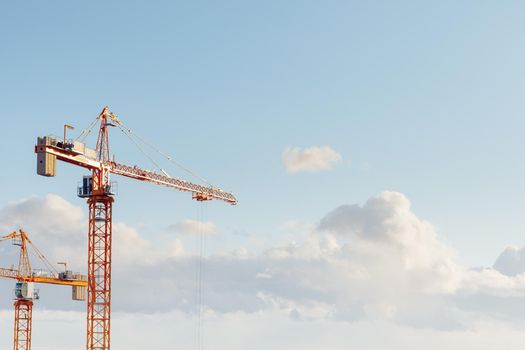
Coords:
422,98
419,98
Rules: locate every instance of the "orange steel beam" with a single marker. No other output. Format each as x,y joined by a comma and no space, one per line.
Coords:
99,272
136,173
23,324
69,157
15,274
100,236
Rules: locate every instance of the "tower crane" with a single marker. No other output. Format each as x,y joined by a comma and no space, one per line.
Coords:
99,191
25,291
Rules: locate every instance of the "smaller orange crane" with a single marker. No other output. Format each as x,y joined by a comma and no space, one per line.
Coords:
25,291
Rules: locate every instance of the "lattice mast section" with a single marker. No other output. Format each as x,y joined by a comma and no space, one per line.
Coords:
100,247
23,322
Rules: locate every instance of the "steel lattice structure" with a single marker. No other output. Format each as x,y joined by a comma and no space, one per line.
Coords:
100,200
23,324
26,278
99,272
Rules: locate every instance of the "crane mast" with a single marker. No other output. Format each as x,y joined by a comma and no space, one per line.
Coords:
23,324
100,239
98,191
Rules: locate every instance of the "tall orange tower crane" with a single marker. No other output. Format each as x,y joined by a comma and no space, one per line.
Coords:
99,191
25,292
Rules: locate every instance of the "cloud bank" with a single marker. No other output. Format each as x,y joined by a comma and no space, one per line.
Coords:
376,262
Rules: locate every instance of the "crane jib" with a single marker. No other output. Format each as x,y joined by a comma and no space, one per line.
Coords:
181,185
49,150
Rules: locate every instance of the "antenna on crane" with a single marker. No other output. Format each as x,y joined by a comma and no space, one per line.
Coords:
66,127
64,264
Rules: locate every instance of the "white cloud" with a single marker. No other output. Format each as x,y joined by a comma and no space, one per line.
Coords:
259,331
388,234
310,159
56,226
384,265
377,262
511,261
194,227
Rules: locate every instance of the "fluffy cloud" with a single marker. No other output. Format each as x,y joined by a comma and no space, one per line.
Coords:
375,262
258,331
387,234
511,261
55,225
309,159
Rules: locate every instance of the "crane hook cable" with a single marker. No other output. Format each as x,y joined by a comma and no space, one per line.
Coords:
200,277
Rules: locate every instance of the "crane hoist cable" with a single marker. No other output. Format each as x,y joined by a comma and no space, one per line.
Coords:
134,138
200,276
198,261
85,133
164,154
142,150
